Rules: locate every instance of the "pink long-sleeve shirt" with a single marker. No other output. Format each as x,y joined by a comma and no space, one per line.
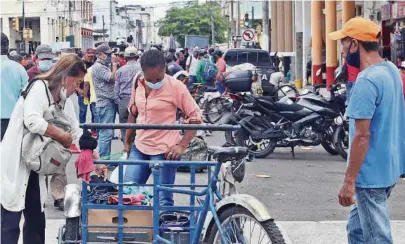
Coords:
160,107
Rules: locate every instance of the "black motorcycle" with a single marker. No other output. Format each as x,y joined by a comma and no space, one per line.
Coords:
310,120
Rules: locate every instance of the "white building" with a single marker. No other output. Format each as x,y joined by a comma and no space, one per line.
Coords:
111,19
48,21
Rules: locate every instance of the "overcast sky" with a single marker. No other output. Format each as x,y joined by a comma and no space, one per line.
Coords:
160,6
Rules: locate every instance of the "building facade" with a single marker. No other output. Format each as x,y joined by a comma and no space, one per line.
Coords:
46,22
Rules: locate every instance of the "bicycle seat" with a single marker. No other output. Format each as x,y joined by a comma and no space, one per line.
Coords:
223,154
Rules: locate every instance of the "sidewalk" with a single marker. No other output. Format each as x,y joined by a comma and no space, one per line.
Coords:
294,232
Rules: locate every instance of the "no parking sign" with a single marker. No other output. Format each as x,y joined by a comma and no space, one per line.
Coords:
248,35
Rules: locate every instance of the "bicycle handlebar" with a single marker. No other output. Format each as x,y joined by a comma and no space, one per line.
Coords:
161,127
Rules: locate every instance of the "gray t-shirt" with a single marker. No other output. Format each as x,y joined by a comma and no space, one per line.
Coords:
103,87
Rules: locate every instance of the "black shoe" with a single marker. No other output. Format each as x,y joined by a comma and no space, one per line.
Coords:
59,204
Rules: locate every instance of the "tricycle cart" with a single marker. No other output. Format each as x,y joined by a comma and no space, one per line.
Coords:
210,217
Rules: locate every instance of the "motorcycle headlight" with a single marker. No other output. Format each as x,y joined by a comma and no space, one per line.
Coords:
339,120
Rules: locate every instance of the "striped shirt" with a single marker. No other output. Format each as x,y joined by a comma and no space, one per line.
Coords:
104,88
124,77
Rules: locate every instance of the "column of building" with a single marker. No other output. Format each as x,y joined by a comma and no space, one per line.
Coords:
316,31
274,33
331,46
280,27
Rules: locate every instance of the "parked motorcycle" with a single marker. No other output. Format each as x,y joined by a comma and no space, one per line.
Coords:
310,120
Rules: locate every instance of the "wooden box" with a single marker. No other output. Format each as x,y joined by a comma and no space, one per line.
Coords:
107,217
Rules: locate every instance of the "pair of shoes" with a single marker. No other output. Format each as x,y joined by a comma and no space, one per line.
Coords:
74,149
59,204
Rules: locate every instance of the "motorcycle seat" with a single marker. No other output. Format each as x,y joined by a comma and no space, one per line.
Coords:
264,98
223,154
288,107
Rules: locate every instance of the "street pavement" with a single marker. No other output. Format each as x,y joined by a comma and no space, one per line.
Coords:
300,193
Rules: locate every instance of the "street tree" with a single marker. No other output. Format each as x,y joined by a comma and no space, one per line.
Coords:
194,19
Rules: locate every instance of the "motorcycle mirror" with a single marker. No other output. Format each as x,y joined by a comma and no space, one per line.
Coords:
341,74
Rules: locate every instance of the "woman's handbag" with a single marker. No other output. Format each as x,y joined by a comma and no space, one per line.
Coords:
42,154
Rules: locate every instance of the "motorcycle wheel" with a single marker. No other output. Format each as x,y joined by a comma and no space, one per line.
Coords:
341,141
329,147
244,139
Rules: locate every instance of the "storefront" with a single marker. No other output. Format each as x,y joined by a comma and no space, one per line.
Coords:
397,28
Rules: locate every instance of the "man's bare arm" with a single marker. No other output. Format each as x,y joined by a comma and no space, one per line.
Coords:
359,147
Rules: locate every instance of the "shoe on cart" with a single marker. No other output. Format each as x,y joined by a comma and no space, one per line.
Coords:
59,204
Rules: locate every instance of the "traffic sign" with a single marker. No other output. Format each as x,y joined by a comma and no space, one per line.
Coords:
248,35
236,38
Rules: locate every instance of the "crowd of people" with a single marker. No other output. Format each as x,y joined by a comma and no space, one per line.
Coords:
140,88
137,89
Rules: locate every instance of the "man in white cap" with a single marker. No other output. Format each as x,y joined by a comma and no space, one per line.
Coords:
123,83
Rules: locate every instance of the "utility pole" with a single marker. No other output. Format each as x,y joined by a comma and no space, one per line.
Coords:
253,17
111,20
232,20
212,27
266,23
103,28
23,20
238,21
253,20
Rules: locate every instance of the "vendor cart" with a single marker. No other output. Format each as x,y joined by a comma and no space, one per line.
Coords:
210,217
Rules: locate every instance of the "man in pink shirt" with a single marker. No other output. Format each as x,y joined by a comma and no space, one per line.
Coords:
221,64
155,101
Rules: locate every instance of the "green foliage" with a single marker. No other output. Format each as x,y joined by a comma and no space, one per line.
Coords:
193,19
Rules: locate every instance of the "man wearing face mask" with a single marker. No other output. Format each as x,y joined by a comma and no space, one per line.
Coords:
103,75
44,57
376,113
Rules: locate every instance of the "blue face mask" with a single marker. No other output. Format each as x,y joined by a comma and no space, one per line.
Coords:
157,85
45,65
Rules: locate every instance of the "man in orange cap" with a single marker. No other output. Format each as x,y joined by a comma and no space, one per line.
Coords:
376,130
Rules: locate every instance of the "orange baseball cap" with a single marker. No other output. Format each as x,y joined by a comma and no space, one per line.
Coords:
360,29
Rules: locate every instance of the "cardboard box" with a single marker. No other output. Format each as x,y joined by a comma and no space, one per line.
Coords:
107,217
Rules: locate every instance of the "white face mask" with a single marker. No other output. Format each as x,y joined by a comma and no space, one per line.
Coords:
63,94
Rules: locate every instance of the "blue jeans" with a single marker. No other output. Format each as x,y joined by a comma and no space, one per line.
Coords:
368,220
83,111
105,136
141,173
220,87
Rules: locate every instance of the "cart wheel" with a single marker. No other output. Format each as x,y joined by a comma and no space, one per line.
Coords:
239,225
72,229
